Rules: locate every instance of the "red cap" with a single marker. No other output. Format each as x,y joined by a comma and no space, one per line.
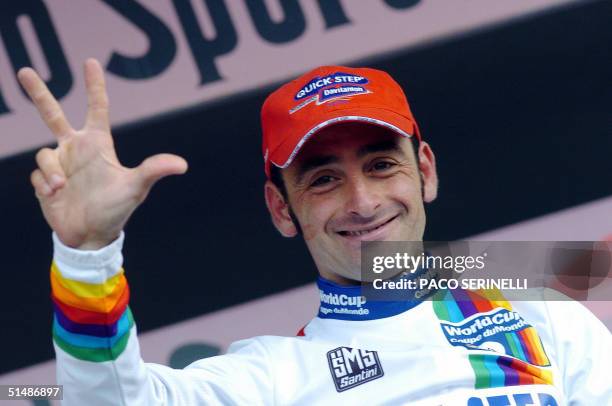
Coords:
325,96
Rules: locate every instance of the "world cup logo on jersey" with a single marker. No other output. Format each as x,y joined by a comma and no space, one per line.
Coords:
351,367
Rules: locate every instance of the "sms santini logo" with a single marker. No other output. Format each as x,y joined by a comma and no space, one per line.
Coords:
351,367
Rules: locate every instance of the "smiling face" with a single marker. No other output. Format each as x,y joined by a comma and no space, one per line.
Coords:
354,182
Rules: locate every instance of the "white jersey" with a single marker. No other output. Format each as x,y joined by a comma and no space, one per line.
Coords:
456,351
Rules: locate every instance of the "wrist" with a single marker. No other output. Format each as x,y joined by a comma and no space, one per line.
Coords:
88,266
96,244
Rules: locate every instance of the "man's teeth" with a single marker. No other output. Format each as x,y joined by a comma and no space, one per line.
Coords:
362,232
356,233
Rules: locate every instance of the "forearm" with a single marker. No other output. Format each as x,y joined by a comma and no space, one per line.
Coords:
98,358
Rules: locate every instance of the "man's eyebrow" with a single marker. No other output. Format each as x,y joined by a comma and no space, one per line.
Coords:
381,146
312,163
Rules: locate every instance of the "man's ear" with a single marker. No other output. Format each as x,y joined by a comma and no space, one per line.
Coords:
427,167
279,210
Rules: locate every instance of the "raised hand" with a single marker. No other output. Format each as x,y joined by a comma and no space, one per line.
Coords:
86,195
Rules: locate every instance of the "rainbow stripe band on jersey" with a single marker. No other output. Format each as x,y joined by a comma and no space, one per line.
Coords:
100,298
88,317
89,341
96,330
483,322
92,322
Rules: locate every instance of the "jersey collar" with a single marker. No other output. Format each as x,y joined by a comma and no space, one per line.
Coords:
347,303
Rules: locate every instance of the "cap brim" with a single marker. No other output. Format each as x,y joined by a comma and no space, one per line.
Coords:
284,155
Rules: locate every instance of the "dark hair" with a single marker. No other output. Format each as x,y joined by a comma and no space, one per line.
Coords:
276,177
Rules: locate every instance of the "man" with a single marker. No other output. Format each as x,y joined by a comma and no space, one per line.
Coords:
345,164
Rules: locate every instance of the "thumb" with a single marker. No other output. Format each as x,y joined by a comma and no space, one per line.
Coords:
159,166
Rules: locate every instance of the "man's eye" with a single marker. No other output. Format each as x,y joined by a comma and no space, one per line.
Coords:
322,180
382,165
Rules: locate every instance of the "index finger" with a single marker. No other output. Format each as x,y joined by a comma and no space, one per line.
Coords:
47,106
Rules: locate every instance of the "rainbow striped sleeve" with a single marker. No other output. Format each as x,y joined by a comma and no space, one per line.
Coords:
92,320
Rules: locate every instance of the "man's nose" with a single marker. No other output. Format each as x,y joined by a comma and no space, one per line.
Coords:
362,198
